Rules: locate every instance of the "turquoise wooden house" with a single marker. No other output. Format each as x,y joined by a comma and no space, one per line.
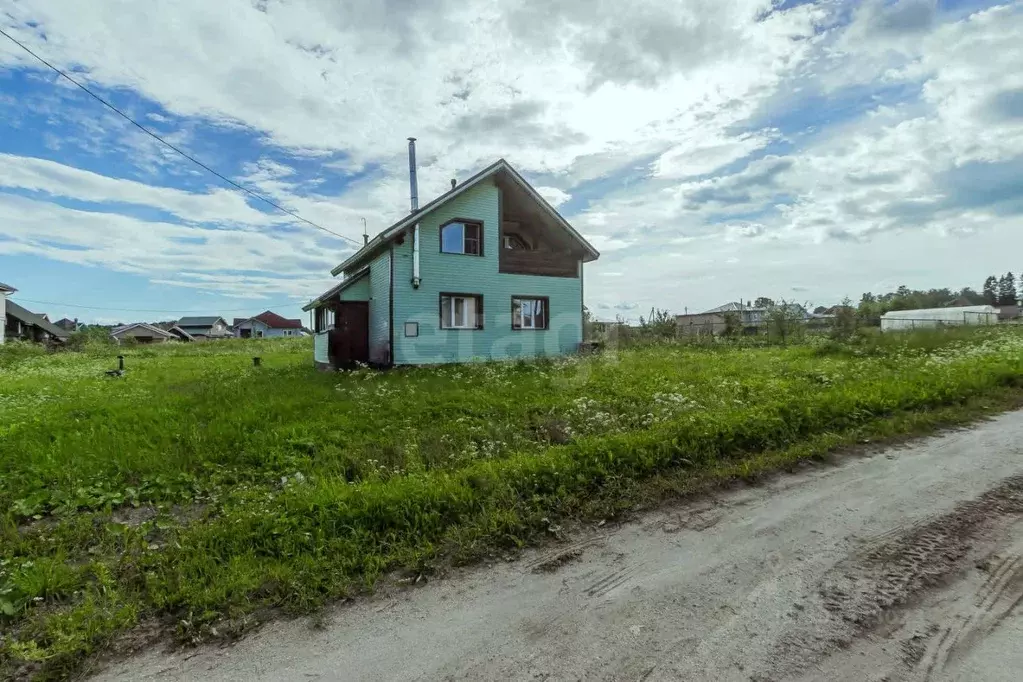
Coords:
488,270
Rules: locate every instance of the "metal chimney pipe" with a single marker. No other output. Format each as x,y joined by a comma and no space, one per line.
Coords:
413,183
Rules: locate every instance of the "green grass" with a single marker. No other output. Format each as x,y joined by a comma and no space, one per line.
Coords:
202,492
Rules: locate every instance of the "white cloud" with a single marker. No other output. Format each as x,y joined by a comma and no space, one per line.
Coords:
698,156
314,74
642,113
554,196
180,254
58,180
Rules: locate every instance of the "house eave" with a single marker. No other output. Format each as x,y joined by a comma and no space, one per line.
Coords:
336,289
161,332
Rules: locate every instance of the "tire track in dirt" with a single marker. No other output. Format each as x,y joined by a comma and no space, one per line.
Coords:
863,587
997,598
893,567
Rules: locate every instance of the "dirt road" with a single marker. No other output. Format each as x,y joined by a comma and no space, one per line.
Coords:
902,565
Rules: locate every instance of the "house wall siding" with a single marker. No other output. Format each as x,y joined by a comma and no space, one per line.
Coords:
445,272
320,355
251,325
359,291
3,316
268,333
380,309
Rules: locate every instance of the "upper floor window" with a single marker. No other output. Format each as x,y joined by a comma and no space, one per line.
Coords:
462,236
515,243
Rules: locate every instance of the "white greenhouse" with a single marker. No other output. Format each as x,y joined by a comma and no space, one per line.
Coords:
939,317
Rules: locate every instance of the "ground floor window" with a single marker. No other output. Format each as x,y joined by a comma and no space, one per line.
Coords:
530,312
324,319
461,311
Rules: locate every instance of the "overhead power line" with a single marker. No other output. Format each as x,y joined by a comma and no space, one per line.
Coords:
188,156
148,310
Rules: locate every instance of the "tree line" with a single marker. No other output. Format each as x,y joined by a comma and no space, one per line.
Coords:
1001,290
997,291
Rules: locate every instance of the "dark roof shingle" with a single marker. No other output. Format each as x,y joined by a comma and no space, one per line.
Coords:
199,321
275,321
28,317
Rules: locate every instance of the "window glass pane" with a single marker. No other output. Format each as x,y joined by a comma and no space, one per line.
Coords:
540,315
472,239
445,311
470,312
459,320
527,313
516,312
451,238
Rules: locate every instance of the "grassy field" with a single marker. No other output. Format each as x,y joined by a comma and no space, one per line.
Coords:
201,493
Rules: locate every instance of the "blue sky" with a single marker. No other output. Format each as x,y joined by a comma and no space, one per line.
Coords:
711,149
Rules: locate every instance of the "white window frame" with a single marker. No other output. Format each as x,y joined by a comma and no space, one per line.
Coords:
536,304
469,321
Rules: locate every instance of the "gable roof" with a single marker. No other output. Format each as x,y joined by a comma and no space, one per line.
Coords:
181,333
734,307
200,321
156,330
7,288
411,219
275,321
28,317
271,320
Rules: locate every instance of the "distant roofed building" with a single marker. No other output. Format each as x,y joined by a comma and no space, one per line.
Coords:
208,327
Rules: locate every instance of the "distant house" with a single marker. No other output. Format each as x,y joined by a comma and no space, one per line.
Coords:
25,325
205,327
178,332
699,324
141,332
747,318
267,324
5,291
1009,312
68,325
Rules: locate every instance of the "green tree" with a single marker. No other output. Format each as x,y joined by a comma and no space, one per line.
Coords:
1007,289
660,323
763,302
732,324
846,321
89,336
971,296
990,290
784,321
